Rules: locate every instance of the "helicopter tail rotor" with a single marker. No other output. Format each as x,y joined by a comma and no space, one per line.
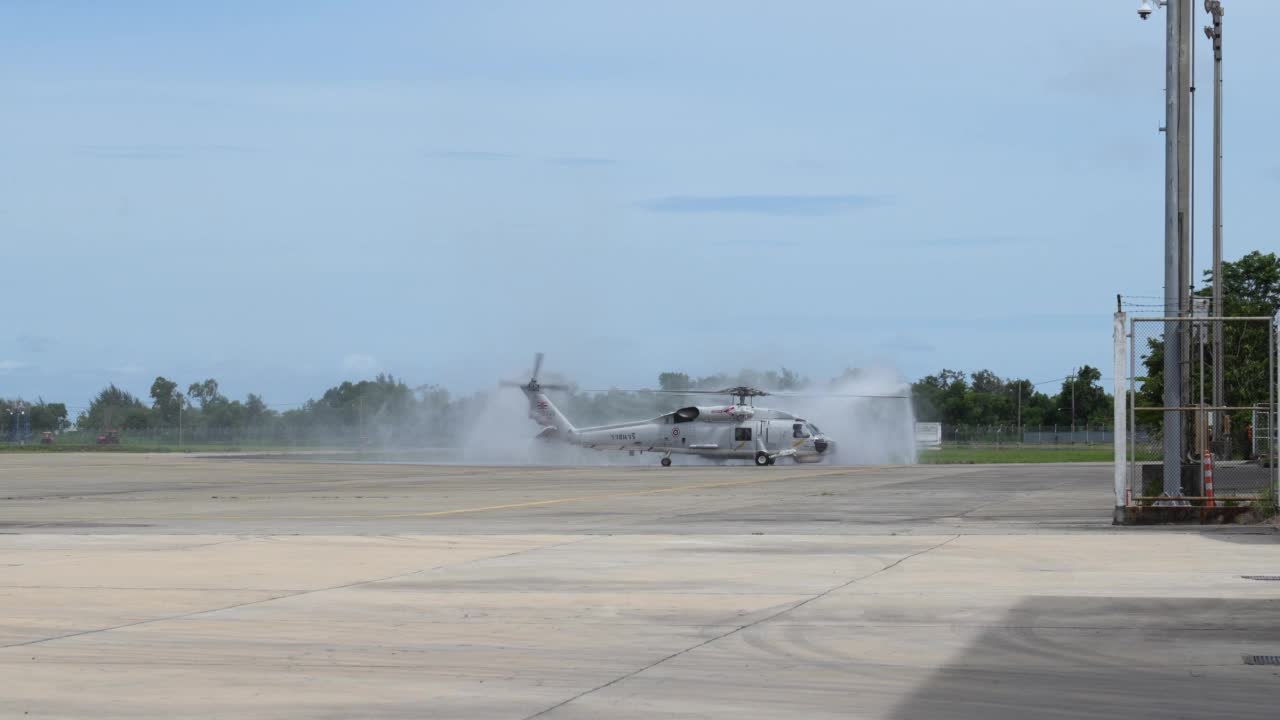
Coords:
533,385
541,409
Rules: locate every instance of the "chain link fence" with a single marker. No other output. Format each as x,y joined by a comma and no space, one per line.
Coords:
1217,445
1027,435
238,438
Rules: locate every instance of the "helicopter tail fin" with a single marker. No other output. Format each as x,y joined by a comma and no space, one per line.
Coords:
545,413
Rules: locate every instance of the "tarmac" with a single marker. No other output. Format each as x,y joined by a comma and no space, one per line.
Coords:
161,586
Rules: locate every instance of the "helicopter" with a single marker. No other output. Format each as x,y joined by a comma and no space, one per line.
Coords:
737,431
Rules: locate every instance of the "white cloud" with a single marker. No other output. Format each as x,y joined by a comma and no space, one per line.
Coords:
7,366
359,362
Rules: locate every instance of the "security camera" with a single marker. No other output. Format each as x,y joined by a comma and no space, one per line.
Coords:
1145,9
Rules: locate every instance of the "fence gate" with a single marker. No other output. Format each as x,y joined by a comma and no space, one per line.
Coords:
1199,452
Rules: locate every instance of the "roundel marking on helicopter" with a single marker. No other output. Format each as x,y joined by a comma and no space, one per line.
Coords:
675,432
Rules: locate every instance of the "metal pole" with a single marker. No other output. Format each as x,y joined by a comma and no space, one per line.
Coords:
1186,81
1273,432
1073,405
1201,416
1214,8
1118,410
1019,411
1172,451
1133,413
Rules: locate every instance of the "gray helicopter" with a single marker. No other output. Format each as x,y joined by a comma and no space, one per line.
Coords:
740,431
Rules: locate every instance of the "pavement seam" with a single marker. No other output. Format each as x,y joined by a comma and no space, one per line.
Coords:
286,596
740,628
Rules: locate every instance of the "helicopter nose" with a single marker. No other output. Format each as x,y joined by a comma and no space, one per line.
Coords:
822,444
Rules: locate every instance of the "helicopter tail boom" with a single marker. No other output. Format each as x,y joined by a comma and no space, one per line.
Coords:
545,413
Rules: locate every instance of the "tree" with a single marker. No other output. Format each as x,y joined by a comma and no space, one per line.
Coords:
945,397
166,400
985,381
51,417
1030,406
782,379
1250,288
205,392
255,410
1250,285
673,381
1082,395
113,408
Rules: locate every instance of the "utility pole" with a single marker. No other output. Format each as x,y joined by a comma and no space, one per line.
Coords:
1074,374
1214,33
1186,208
1177,206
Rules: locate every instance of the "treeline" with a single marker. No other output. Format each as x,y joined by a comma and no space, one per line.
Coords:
983,398
383,410
384,405
39,416
386,410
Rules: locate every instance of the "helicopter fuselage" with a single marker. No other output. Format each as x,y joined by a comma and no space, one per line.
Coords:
720,432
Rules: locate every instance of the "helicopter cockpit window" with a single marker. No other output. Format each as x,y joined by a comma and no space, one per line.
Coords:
742,434
798,430
813,429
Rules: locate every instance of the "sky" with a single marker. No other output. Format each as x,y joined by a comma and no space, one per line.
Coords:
285,195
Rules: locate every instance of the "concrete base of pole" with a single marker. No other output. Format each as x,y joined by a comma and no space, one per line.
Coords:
1152,515
1192,484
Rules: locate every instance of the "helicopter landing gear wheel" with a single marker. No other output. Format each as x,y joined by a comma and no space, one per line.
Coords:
762,459
666,462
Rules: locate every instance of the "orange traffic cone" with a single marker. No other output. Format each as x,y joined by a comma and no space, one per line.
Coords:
1208,479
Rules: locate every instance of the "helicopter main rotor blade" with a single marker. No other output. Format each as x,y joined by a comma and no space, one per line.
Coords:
785,393
683,392
537,365
730,392
541,386
753,393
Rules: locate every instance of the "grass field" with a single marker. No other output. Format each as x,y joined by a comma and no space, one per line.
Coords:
137,448
957,455
70,443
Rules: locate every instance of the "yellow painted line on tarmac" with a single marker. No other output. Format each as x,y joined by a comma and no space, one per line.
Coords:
531,503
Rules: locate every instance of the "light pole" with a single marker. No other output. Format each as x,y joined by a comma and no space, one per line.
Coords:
180,404
1214,33
1177,163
